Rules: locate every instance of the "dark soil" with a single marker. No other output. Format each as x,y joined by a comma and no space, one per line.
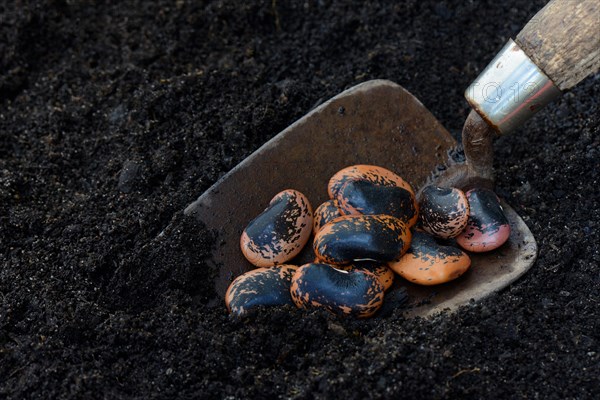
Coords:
114,117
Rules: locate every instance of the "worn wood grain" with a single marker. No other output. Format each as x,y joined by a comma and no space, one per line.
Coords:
563,39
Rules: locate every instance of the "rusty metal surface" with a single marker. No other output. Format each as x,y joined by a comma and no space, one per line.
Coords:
377,122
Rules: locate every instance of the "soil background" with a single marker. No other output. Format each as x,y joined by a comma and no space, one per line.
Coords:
116,115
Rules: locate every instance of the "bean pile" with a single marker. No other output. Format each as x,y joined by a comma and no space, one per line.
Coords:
371,229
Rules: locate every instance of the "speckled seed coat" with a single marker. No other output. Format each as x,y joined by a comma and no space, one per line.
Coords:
260,287
326,212
280,232
371,173
357,293
428,263
381,270
487,228
443,212
362,237
360,196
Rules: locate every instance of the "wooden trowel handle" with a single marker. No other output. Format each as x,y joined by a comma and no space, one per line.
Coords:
557,49
563,39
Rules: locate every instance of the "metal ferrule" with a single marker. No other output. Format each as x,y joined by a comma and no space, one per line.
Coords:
511,89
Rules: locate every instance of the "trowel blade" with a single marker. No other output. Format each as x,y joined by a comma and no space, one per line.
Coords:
379,123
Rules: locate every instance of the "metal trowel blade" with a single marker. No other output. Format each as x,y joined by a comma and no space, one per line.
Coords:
379,123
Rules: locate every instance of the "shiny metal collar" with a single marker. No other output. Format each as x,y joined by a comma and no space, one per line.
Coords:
511,89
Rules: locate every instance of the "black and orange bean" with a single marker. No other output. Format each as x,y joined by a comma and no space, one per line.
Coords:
280,232
260,287
443,212
371,173
326,212
362,237
381,270
428,263
357,293
487,228
360,196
